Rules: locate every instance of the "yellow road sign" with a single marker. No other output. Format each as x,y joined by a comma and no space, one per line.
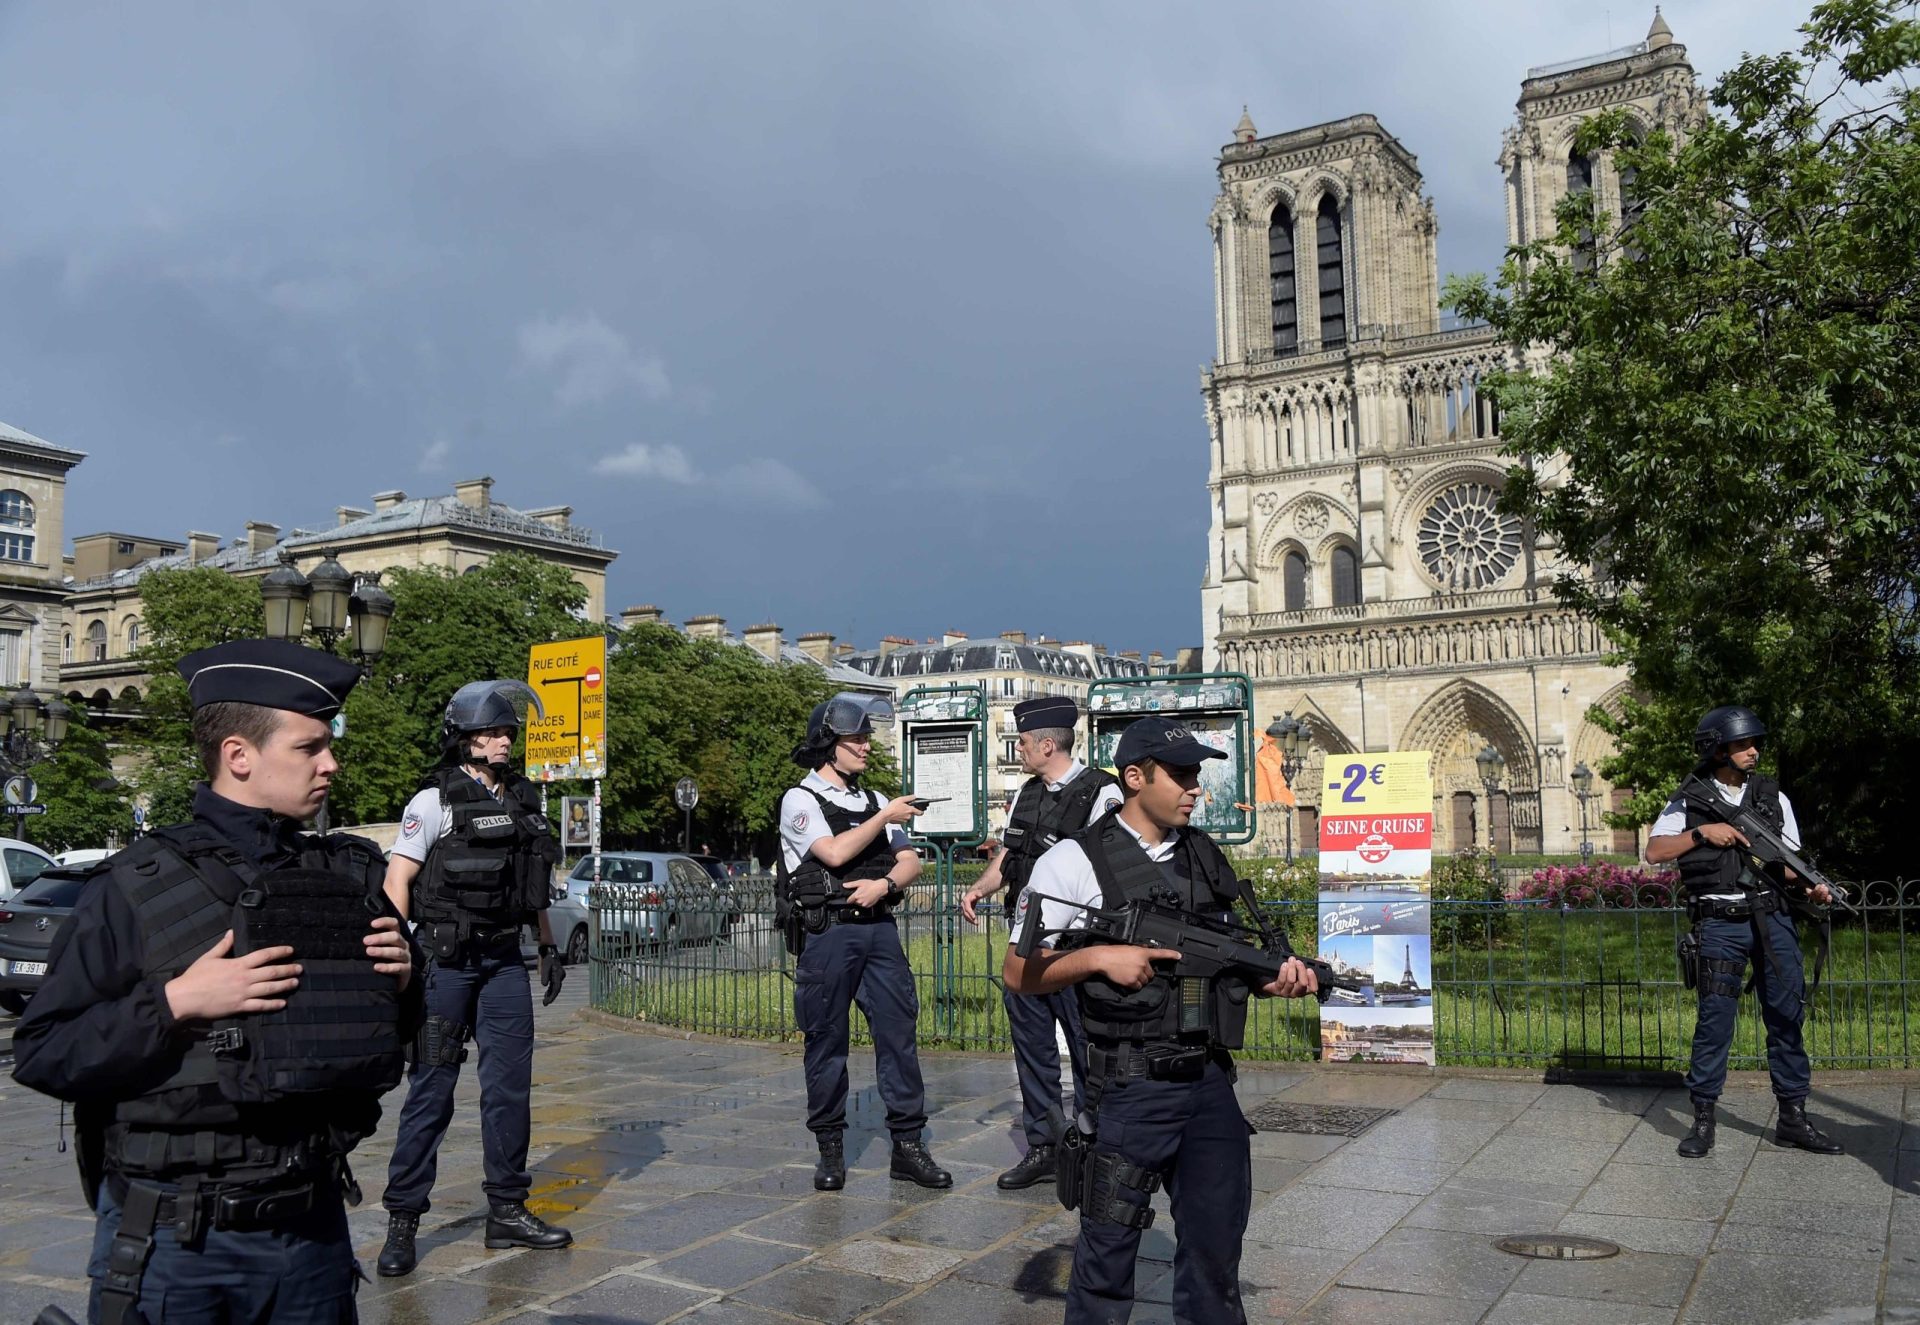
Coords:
570,742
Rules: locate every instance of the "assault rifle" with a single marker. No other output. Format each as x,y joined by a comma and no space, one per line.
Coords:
1765,848
1207,947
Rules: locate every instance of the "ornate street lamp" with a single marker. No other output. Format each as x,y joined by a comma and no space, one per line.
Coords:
1582,780
328,604
34,730
1492,765
371,612
284,593
1293,737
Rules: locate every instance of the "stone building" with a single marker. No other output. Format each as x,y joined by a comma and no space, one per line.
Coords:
457,532
1357,568
33,620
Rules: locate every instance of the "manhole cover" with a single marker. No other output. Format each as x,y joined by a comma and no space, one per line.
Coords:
1556,1247
1317,1119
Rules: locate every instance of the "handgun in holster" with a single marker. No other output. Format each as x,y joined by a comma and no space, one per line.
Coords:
441,1043
1688,950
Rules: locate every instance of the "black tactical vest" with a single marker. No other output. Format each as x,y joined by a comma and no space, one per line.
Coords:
1167,1007
494,867
275,1075
1711,869
876,862
1041,817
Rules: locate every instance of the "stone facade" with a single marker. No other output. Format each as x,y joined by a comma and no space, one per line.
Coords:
33,618
1357,568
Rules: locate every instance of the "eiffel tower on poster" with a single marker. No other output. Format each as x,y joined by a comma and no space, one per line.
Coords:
1406,981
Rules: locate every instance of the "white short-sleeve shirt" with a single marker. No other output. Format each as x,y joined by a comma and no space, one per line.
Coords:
1064,875
424,822
1673,820
1108,798
802,823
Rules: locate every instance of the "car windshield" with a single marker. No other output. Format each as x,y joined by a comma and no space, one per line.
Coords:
51,890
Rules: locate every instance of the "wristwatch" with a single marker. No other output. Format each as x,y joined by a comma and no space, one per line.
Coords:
1698,840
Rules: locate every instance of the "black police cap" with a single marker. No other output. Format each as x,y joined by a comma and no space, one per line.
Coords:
1032,715
271,673
1164,741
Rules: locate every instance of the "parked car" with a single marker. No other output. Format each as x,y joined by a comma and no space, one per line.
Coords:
663,898
28,922
20,864
82,856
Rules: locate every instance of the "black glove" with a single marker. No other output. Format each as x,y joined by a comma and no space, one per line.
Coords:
552,973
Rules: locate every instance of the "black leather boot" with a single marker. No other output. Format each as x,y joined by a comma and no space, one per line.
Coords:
511,1224
1699,1142
1795,1129
1036,1166
912,1163
398,1257
830,1174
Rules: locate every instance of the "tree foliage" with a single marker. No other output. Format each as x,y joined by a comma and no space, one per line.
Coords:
1719,415
85,805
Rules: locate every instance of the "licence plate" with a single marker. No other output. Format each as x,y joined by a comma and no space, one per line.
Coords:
26,968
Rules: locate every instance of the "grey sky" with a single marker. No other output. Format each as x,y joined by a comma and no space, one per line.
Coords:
925,285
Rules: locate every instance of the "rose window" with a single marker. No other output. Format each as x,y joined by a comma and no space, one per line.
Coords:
1465,541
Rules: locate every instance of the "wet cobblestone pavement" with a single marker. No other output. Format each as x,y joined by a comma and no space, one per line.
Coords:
683,1169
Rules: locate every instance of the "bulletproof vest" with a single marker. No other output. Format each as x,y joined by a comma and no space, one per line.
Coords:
494,866
876,862
340,1029
1168,1007
1711,869
1041,817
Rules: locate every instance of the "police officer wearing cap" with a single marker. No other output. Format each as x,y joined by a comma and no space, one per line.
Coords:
474,863
1741,919
842,842
1060,797
1162,1096
224,1010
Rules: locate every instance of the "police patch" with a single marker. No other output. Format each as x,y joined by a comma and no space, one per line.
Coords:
410,826
800,822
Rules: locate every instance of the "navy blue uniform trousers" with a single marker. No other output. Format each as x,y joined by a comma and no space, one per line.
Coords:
489,991
1781,985
1036,1056
301,1274
1194,1136
861,964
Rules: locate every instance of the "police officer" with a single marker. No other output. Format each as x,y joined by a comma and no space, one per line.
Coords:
836,834
219,1077
1162,1096
473,864
1060,797
1740,917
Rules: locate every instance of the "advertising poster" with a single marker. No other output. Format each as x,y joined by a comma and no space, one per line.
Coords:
1223,811
576,822
1376,886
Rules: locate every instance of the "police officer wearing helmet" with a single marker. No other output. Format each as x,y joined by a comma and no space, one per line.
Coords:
843,848
1162,1095
224,1010
1741,919
1059,798
473,863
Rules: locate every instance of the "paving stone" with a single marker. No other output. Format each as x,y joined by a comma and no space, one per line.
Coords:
1469,1206
1739,1288
1505,1092
817,1292
1445,1108
826,1219
1289,1274
681,1222
960,1223
1632,1276
1378,1090
788,1180
1656,1140
1360,1306
547,1271
960,1300
892,1260
438,1302
1609,1099
1024,1269
1796,1175
1576,1125
1380,1173
1425,1260
1673,1237
727,1263
1641,1189
624,1297
1331,1217
1295,1145
1540,1158
1436,1140
1851,1231
735,1313
1518,1308
1269,1175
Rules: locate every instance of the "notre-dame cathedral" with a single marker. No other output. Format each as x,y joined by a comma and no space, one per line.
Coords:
1357,567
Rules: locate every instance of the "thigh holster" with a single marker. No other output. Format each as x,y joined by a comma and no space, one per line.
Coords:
1114,1190
441,1043
1722,976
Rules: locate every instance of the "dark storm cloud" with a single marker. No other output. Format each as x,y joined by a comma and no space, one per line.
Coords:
925,285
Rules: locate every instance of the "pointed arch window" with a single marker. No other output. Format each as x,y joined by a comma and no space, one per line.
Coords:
1293,581
1333,284
1346,577
1580,181
1280,274
1632,205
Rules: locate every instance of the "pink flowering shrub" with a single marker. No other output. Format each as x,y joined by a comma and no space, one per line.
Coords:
1590,887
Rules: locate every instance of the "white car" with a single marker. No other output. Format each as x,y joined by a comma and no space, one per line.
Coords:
20,864
81,856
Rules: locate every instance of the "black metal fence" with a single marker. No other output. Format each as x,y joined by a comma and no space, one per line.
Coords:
1516,984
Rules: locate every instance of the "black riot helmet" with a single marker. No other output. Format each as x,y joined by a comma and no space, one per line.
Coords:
1726,724
481,706
846,714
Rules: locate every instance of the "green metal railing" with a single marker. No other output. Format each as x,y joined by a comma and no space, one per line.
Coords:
1516,984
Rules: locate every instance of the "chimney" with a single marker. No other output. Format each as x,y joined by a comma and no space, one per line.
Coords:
1191,659
1156,657
386,501
261,535
553,517
201,546
818,645
844,650
888,643
648,615
1014,636
707,627
1046,642
953,637
1133,654
474,492
347,515
764,639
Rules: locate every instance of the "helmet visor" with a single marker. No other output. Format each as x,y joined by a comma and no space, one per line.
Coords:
481,705
848,714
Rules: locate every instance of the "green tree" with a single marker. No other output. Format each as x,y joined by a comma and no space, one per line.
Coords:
85,805
1718,409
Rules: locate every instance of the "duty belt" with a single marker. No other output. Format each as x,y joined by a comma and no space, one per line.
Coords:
1715,908
859,915
1160,1060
